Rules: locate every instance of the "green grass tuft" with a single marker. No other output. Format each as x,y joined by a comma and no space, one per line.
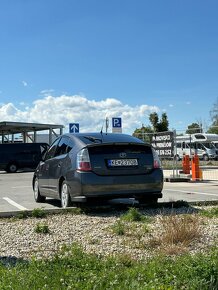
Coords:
210,213
133,215
75,211
118,228
23,214
41,228
38,213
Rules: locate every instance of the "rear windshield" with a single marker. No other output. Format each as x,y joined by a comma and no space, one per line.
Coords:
110,149
109,138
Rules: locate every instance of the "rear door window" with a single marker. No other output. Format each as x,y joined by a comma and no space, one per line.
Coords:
62,146
70,145
51,152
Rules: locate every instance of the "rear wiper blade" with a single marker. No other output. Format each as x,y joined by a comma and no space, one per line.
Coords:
93,139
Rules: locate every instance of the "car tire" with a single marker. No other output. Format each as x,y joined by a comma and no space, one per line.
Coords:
37,196
65,196
177,158
205,157
12,168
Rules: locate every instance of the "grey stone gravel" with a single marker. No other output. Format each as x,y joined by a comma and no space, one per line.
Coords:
94,233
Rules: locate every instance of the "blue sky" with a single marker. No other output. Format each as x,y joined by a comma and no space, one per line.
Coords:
121,58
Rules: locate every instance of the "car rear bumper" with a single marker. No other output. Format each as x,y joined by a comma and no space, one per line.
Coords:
108,187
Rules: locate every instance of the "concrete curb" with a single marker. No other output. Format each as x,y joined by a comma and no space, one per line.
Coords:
10,214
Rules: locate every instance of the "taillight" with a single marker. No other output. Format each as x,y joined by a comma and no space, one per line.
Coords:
83,161
157,163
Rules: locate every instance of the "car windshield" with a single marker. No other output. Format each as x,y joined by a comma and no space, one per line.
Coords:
209,145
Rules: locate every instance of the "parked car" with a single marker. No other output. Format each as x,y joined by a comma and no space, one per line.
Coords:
85,166
14,156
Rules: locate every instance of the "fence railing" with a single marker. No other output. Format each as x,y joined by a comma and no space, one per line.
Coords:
172,165
209,169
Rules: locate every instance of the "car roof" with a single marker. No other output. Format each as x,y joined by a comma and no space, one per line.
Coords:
92,138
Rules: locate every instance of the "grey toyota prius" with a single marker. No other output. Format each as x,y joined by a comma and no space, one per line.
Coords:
85,166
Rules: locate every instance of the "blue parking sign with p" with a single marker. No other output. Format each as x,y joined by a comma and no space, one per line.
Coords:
116,123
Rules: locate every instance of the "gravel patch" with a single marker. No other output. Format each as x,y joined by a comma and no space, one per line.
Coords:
19,240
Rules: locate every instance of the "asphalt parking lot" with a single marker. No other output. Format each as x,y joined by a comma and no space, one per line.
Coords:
16,192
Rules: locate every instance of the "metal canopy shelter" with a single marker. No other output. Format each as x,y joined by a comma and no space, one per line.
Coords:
12,128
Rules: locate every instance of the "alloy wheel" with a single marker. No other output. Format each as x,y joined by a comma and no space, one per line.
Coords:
65,198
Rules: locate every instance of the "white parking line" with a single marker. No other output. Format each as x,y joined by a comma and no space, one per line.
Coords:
14,203
196,192
21,186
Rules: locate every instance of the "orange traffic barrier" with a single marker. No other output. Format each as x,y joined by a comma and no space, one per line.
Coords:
186,164
200,174
196,171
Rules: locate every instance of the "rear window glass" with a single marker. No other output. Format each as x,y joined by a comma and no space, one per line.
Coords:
109,138
110,149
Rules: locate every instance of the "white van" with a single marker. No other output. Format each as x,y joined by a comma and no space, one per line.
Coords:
199,143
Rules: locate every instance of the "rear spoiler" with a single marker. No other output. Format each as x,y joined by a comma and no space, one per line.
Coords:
117,144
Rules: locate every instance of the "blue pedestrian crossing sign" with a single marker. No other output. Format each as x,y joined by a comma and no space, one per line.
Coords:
74,127
116,125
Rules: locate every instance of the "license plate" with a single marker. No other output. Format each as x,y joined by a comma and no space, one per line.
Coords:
122,162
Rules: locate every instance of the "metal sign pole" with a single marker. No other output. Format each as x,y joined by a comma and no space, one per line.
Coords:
175,161
106,124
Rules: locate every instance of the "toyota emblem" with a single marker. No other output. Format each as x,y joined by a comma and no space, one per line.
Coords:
122,155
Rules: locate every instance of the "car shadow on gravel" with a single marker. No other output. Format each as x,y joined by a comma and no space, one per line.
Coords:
163,208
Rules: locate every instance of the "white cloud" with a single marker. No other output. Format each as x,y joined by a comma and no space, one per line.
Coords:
24,83
90,114
46,92
8,111
171,105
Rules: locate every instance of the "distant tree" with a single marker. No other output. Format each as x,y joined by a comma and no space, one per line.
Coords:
213,128
214,118
145,132
141,133
194,128
159,126
164,123
154,119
